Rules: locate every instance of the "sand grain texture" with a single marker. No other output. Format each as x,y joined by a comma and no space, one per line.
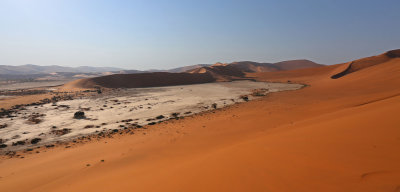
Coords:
338,134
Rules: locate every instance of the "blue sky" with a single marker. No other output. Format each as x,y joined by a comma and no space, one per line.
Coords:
165,34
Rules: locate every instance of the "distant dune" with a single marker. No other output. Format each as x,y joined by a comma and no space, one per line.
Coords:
186,68
200,74
219,72
251,67
296,64
143,80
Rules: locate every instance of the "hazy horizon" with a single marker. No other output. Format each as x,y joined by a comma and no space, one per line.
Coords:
146,35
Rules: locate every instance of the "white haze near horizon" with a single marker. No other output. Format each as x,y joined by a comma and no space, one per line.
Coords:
144,35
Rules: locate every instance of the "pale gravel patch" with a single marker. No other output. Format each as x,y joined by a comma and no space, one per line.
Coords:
134,104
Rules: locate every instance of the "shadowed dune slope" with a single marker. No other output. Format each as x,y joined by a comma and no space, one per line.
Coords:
368,62
157,79
251,67
333,135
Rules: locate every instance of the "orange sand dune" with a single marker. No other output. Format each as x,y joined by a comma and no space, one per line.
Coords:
338,134
368,62
220,72
18,100
296,64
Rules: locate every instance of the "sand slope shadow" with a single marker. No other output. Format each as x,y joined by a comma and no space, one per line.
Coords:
367,62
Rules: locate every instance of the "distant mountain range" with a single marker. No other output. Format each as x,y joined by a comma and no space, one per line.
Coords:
37,69
37,72
247,66
30,69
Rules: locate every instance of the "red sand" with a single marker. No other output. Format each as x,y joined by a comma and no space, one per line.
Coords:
18,100
335,135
